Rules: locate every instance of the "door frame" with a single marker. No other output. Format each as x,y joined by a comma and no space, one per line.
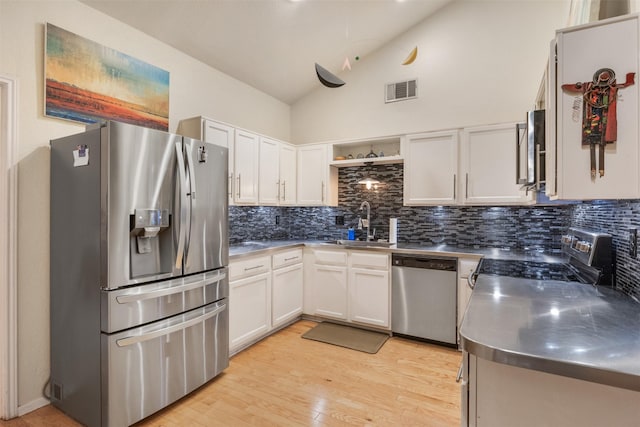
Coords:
8,248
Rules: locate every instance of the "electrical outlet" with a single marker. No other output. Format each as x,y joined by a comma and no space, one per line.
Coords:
633,242
277,219
340,220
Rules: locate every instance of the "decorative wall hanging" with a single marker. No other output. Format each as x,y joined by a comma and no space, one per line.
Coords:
599,123
412,56
87,82
346,64
328,79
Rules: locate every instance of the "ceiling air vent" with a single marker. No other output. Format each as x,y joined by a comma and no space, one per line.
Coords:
401,91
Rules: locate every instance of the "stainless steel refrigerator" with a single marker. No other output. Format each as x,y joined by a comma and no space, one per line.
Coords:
138,271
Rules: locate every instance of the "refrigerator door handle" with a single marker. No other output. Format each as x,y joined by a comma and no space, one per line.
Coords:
192,172
124,342
129,298
182,234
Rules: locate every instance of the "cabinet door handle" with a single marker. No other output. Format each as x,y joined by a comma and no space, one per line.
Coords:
278,185
538,171
466,185
291,259
459,376
239,187
230,191
254,267
322,192
454,186
284,190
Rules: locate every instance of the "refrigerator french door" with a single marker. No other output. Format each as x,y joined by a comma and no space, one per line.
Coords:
138,271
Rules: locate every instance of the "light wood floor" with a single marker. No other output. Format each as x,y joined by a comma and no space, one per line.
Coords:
288,381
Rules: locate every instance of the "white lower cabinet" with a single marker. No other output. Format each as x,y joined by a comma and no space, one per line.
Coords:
352,286
369,297
287,294
262,298
504,395
287,287
249,309
331,291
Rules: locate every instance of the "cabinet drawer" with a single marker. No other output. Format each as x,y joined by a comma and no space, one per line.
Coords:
466,266
291,257
249,267
331,257
361,259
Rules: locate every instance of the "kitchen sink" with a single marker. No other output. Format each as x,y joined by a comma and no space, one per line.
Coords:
361,243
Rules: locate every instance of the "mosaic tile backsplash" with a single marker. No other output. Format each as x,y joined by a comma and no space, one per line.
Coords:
525,228
616,218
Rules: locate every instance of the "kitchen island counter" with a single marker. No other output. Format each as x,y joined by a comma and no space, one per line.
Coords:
564,328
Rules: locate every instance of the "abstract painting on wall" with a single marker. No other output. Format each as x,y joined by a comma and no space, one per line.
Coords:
87,82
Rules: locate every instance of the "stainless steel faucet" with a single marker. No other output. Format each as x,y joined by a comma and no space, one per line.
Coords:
368,220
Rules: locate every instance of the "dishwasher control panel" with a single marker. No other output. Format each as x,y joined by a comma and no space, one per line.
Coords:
430,263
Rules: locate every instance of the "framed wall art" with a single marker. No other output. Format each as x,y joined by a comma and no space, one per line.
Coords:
87,82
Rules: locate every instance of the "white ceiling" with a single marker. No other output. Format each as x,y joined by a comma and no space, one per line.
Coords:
272,45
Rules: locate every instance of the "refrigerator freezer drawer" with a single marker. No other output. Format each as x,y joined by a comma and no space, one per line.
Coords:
147,368
130,307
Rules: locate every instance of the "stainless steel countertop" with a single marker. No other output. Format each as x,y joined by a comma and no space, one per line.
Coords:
252,248
563,328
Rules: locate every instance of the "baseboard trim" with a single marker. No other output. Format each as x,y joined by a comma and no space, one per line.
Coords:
32,406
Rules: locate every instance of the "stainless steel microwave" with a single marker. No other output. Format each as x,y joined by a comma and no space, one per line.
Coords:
530,150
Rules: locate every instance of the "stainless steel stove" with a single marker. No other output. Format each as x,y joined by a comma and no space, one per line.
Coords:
589,260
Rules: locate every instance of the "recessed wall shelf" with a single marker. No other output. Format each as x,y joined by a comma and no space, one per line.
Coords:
354,153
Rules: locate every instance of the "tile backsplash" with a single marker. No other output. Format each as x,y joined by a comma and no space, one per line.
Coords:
615,217
516,227
510,227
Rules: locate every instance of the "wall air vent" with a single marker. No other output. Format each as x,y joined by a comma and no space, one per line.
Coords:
401,91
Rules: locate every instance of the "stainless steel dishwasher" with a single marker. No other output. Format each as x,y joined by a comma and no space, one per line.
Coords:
424,297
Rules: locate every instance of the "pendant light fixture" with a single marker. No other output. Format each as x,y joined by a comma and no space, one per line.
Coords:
369,181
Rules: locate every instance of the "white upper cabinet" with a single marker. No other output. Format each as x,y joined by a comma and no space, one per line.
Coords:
277,184
582,53
488,166
214,132
317,182
288,177
218,133
269,171
431,168
246,151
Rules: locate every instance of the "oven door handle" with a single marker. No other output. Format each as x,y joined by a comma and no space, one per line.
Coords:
124,342
129,298
470,281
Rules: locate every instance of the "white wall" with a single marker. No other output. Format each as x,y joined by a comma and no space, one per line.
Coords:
196,89
479,62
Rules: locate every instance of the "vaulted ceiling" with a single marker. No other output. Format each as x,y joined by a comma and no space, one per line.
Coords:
272,45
